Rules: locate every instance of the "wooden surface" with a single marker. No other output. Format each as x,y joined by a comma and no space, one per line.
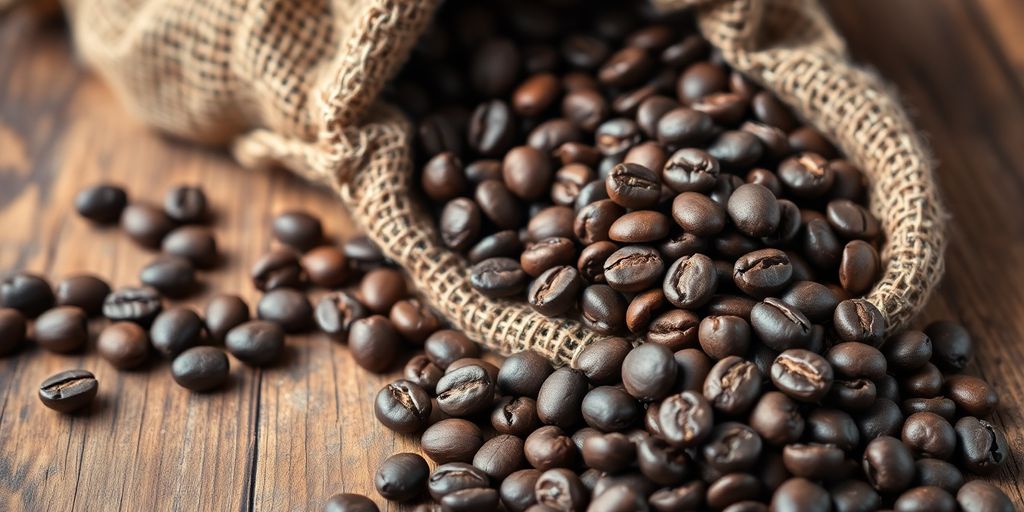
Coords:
288,437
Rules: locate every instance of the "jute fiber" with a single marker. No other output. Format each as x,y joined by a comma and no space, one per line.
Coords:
294,83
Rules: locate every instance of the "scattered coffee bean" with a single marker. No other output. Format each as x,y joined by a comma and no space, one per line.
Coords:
200,369
124,345
279,268
28,293
13,330
173,276
348,502
101,203
286,307
68,391
176,330
146,224
326,266
298,229
186,204
255,343
62,329
84,291
224,312
133,304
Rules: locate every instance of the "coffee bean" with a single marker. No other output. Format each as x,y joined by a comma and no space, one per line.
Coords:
224,312
503,244
939,405
326,266
691,170
732,385
938,473
84,291
685,419
176,330
515,416
815,300
517,490
13,330
633,186
446,346
800,494
186,204
547,136
453,477
777,419
642,308
402,477
690,281
414,320
63,329
732,447
780,326
134,304
28,293
381,288
811,460
527,172
552,222
124,345
687,496
859,267
465,391
403,407
908,351
981,446
736,150
335,313
852,495
546,254
491,132
856,360
859,320
200,368
971,395
851,220
888,464
255,343
979,496
172,275
633,268
952,348
614,137
548,447
601,361
460,224
649,372
591,261
373,343
699,80
554,292
279,268
762,273
723,336
650,155
603,309
286,307
675,329
697,214
466,500
802,375
298,229
639,227
594,221
68,391
500,456
610,409
451,440
560,489
806,175
363,253
347,502
731,305
560,397
496,202
926,498
612,452
101,203
146,224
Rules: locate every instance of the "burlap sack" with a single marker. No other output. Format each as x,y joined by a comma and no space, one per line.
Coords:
295,83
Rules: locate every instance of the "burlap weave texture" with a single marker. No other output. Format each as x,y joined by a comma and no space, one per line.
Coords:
295,83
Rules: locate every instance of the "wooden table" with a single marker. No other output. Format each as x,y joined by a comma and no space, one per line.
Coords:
288,437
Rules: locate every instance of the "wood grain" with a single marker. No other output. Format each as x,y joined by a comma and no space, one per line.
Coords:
288,437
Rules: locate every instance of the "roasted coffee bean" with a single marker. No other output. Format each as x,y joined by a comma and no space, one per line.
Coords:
68,391
832,426
503,244
255,343
145,223
888,465
682,127
699,80
402,477
859,320
414,320
279,268
780,326
981,446
517,490
523,373
769,110
186,204
551,134
815,300
649,372
101,203
555,291
63,329
453,477
642,308
363,253
515,416
496,202
500,456
854,496
467,500
560,397
790,221
762,273
546,254
172,275
925,498
952,348
633,268
754,210
651,110
611,452
698,214
585,108
802,375
732,447
451,440
851,220
610,409
639,227
460,224
336,312
806,175
685,419
548,447
403,407
561,489
812,460
579,153
194,243
465,391
731,305
176,330
327,267
569,181
381,288
820,245
675,329
491,132
347,502
800,494
591,261
736,149
618,498
883,418
972,396
134,304
939,405
420,371
124,345
527,172
981,496
446,346
733,488
594,221
938,473
908,351
603,310
634,480
286,307
723,336
439,132
200,368
13,330
855,360
601,361
733,385
925,382
859,267
633,186
929,435
614,137
691,170
649,154
551,222
28,293
84,291
777,419
298,229
690,281
224,312
689,496
498,277
374,343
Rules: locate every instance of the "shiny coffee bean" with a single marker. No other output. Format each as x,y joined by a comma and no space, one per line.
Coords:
603,309
777,418
173,276
733,385
594,220
63,329
374,343
453,477
195,243
732,447
451,440
800,494
780,326
465,391
816,301
286,307
403,407
601,361
279,268
381,288
908,351
446,346
335,313
68,391
762,273
146,224
888,465
84,291
327,267
548,447
124,345
981,446
28,293
979,496
633,268
649,372
224,312
255,343
140,305
402,477
856,360
802,374
186,204
546,254
101,203
925,498
952,348
527,172
200,368
696,213
723,336
690,281
611,452
560,398
298,229
555,291
561,489
859,320
633,186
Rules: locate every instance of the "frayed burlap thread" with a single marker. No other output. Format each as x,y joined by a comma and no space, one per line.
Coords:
295,83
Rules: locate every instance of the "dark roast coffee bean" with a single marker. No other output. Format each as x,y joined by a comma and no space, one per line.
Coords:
498,277
938,473
548,447
503,244
591,261
812,460
336,312
585,108
200,368
465,391
611,453
859,267
690,281
140,305
551,134
649,372
972,396
603,310
101,203
952,348
601,361
882,418
468,500
929,435
453,477
981,446
733,385
551,222
832,426
255,343
639,227
925,498
403,407
172,275
614,137
84,291
610,409
298,229
736,149
594,221
685,419
363,252
779,325
820,245
496,202
675,329
373,342
691,170
176,330
327,267
420,371
855,360
800,494
689,496
286,307
560,397
554,292
851,220
13,330
146,224
633,268
546,254
633,186
723,336
698,214
939,405
446,346
650,155
517,490
561,489
694,366
777,419
62,329
619,498
279,268
460,224
925,382
523,373
124,345
500,456
859,320
451,440
28,293
888,465
731,305
527,172
981,496
908,351
651,110
816,301
414,320
515,416
491,132
806,175
854,496
347,502
642,308
802,375
683,127
381,288
762,273
68,391
731,447
579,153
186,204
569,181
699,80
224,312
402,477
